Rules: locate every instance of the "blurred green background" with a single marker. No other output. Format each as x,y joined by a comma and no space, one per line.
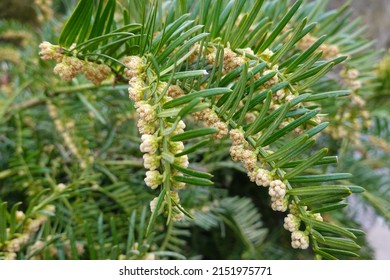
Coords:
376,15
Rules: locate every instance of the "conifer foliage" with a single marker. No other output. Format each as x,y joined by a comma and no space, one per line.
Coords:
131,147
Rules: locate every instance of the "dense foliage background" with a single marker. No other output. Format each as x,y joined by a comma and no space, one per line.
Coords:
72,175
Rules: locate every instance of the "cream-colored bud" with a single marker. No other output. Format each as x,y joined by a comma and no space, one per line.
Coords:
149,257
135,66
60,187
178,185
175,91
237,137
279,204
249,159
230,60
64,71
277,189
236,152
252,175
353,74
136,89
291,223
96,73
289,97
149,144
318,217
266,54
299,240
146,127
182,161
153,204
10,256
75,63
50,208
279,95
50,52
355,85
174,196
176,147
19,216
357,100
146,112
179,128
153,179
37,246
263,177
222,129
151,161
177,217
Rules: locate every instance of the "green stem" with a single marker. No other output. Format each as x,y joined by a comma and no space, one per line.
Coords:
263,153
167,236
79,88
